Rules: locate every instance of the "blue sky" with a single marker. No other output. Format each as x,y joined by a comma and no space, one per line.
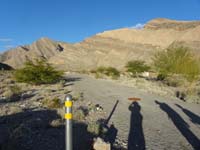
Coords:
24,21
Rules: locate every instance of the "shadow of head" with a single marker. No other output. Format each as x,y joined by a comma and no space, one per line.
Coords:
157,102
134,106
179,106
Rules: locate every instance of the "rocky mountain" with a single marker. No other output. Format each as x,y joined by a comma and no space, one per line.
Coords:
44,47
111,48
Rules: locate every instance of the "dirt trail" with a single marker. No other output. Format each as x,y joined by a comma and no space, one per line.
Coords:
155,122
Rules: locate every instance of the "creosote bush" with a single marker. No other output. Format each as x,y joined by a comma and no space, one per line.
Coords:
38,72
108,71
136,66
177,61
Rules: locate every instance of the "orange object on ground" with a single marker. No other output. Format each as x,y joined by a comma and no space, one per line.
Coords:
134,99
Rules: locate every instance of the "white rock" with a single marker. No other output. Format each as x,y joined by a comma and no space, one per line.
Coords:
99,144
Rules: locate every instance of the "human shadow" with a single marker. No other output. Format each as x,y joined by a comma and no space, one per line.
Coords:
136,140
40,130
193,117
110,135
181,125
111,113
111,131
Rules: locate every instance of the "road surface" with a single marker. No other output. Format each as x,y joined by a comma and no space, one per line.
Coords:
153,123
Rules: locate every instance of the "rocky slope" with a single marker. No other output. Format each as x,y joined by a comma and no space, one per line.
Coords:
111,48
44,47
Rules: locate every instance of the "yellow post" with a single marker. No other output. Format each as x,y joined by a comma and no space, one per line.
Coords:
68,125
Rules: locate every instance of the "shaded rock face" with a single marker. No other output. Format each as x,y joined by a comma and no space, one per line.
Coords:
111,48
5,67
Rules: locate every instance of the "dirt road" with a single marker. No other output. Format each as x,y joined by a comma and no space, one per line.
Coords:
154,122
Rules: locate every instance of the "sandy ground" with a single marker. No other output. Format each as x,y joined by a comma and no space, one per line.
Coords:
153,123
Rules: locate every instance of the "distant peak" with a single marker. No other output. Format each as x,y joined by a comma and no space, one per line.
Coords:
162,20
164,23
44,39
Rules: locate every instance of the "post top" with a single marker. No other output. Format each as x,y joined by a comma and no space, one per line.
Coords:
68,97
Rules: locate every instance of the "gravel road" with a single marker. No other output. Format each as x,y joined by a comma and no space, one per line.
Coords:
153,123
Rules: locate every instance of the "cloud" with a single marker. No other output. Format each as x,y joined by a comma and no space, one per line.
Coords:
6,39
137,26
9,46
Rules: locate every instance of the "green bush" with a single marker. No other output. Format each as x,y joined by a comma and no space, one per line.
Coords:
108,71
136,66
38,72
177,60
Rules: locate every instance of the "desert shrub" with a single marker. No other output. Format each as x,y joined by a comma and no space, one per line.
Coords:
52,103
92,71
79,115
101,70
161,77
108,71
94,127
177,60
175,81
136,66
38,72
13,93
112,72
61,84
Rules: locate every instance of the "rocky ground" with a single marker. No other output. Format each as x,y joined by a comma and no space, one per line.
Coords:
31,117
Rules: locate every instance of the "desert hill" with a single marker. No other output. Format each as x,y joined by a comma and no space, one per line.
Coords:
43,47
111,48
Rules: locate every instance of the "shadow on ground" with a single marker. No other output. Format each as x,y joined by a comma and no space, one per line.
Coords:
18,97
111,134
136,140
33,130
72,79
181,125
193,117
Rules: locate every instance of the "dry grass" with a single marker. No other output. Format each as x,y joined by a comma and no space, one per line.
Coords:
52,103
94,127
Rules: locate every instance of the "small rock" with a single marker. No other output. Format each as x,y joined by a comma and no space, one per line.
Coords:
36,104
98,107
56,123
99,144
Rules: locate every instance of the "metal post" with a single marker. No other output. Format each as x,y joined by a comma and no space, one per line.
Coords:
68,125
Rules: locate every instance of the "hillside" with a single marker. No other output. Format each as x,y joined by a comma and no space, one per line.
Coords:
43,47
111,48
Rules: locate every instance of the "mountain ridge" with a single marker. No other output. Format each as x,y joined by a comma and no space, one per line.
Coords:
110,48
